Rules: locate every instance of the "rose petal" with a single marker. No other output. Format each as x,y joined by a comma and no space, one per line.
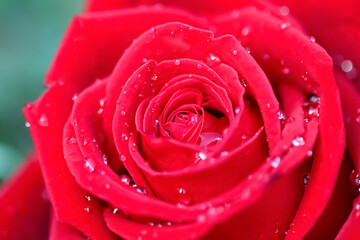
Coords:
24,204
61,231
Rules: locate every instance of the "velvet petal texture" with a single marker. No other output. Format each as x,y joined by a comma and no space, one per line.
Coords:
24,204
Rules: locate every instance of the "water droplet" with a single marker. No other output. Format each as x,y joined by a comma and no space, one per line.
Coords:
235,14
212,60
355,181
125,178
266,57
310,153
245,31
115,210
201,218
285,25
122,113
284,11
107,186
183,197
89,165
285,70
268,105
224,153
281,116
243,82
298,141
124,137
275,162
236,110
346,66
28,105
102,102
235,52
87,209
87,197
140,190
144,60
105,159
43,121
248,50
199,66
202,155
312,39
177,62
154,77
208,138
306,179
123,158
72,140
27,124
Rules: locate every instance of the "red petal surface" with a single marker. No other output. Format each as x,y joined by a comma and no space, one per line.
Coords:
24,204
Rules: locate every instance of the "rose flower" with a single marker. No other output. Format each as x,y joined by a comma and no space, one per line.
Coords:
205,120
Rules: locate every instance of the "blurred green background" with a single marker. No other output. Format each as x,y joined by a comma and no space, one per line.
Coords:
30,31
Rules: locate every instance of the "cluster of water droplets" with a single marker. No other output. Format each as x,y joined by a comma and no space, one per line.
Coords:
124,178
311,107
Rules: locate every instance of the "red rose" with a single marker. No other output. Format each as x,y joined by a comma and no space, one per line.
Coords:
159,123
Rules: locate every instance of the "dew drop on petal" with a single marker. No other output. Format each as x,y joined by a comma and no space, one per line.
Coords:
275,162
285,70
72,140
245,31
284,11
122,113
125,178
183,197
124,137
208,138
347,66
27,124
154,77
87,197
201,218
202,155
235,52
177,62
89,165
236,110
105,159
310,153
123,158
312,39
43,121
224,153
266,57
355,181
298,141
235,14
87,209
212,60
285,25
306,178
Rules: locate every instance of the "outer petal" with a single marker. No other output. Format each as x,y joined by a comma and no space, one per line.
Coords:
63,231
84,55
24,206
336,26
270,37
